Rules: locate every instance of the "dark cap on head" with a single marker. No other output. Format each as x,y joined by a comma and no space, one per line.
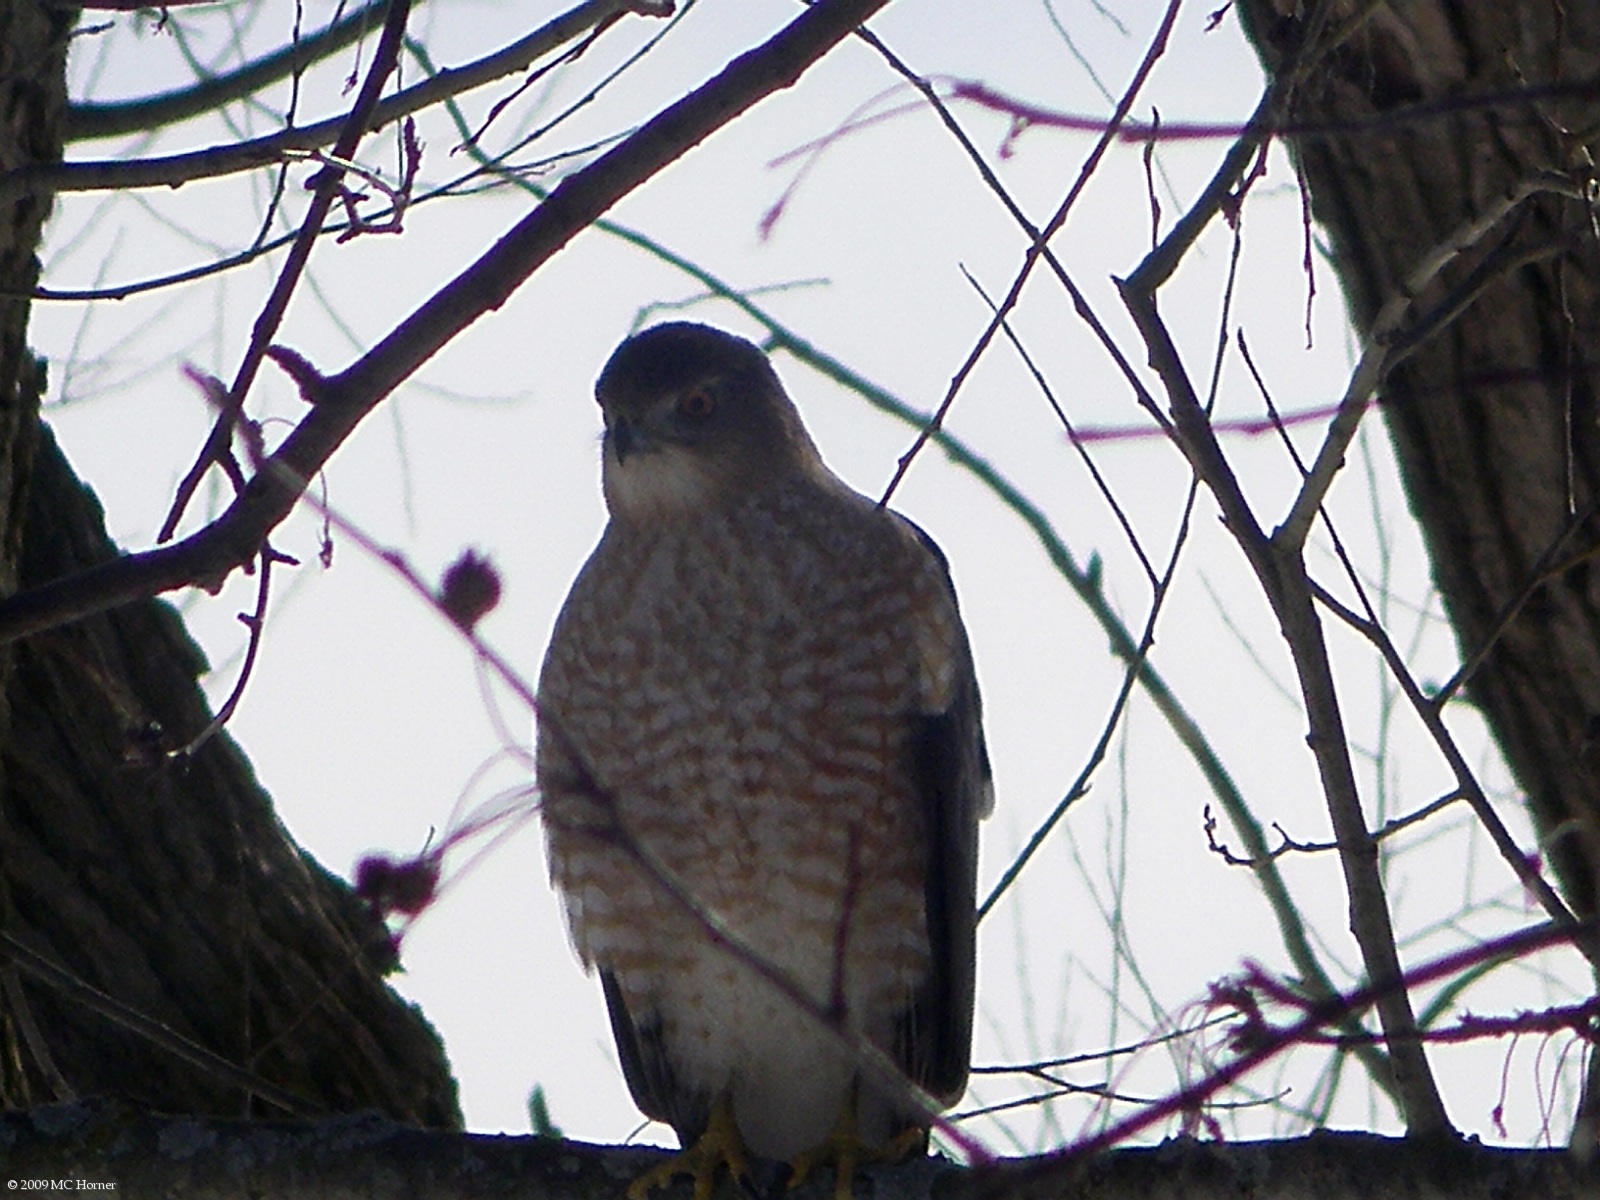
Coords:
666,358
693,412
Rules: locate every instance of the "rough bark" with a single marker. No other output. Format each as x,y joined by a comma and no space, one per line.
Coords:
1493,419
190,1160
169,886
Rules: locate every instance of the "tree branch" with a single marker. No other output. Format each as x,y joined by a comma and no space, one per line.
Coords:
171,170
190,1158
1281,573
1376,360
208,556
327,182
87,121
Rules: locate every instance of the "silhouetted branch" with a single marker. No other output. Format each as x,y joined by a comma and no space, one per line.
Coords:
88,120
328,183
1157,47
1280,569
190,1158
229,158
208,556
1289,845
1523,865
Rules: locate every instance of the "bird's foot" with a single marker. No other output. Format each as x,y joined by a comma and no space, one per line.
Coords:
720,1145
846,1151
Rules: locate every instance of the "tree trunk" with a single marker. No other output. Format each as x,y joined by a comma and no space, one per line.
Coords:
165,885
1494,417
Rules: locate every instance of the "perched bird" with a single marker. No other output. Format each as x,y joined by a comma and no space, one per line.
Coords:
759,710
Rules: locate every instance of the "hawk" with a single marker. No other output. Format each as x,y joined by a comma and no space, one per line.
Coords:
758,710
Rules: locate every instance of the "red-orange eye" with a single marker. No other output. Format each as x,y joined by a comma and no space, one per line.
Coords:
698,404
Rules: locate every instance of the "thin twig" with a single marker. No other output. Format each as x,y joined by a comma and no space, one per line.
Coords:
1552,564
1157,47
1375,363
20,1011
88,120
1289,845
1101,483
40,968
208,556
256,623
1280,570
1046,1175
1080,301
231,157
1521,863
1371,628
327,181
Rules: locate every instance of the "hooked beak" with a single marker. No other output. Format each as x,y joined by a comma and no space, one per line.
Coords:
626,438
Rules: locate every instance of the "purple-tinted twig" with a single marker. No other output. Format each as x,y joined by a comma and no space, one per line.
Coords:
1157,47
1561,1018
1262,1043
256,623
327,183
206,557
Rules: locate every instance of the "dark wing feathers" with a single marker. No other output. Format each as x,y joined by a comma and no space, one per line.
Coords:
950,768
655,1087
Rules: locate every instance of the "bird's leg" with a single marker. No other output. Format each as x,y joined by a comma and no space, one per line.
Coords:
720,1145
845,1150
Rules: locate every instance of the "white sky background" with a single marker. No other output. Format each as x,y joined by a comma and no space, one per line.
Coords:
365,719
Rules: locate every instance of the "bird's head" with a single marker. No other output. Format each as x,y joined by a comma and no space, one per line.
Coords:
695,419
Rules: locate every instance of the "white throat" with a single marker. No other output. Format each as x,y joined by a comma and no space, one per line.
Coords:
661,483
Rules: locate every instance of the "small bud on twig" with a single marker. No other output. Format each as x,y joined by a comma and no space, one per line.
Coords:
471,588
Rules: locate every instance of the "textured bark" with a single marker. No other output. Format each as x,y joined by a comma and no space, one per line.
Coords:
1494,418
198,1160
169,887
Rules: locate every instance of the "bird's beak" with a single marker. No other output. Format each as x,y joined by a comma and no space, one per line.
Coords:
626,438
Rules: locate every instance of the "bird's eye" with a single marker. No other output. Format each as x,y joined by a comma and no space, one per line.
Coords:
697,404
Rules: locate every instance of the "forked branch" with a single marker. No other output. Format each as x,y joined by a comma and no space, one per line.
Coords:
208,556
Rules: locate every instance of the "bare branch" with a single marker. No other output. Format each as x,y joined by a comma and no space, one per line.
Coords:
231,157
206,557
86,121
1157,47
1281,572
1521,863
327,183
1375,359
1256,1044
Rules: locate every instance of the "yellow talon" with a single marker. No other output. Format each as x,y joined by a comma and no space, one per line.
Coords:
720,1145
845,1150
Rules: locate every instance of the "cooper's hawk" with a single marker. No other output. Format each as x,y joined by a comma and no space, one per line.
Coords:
761,679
